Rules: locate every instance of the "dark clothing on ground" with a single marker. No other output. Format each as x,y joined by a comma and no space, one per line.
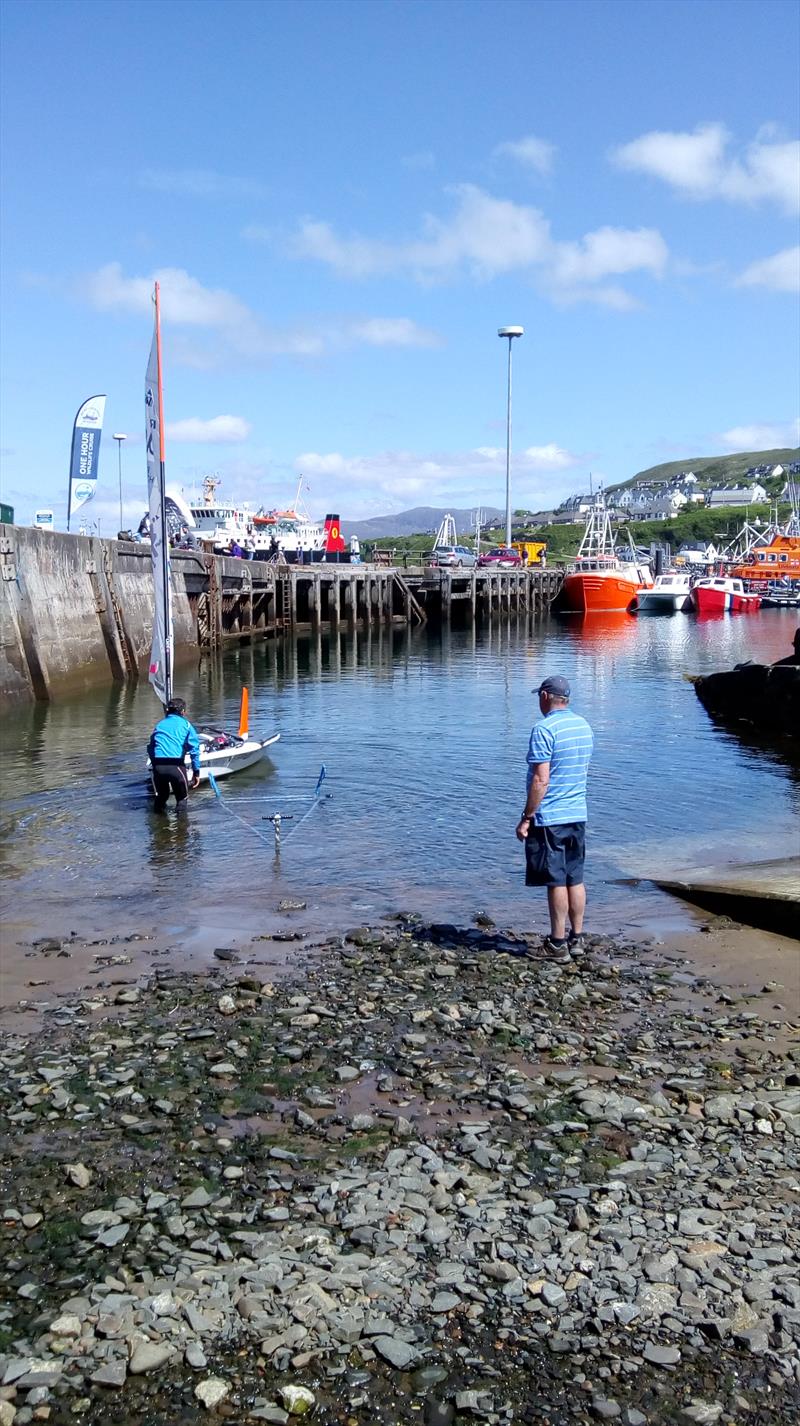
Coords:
555,855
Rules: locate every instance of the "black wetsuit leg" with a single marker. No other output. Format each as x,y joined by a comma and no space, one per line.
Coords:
169,777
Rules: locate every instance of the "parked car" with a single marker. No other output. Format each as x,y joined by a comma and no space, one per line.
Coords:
500,558
450,555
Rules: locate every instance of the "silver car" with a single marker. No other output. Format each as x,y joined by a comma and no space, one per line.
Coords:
448,556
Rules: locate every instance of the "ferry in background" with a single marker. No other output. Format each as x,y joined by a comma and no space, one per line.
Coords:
217,522
283,535
602,579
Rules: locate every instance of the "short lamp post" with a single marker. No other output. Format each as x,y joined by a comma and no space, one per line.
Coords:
511,333
119,437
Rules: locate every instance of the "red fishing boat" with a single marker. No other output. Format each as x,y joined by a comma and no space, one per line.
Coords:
722,594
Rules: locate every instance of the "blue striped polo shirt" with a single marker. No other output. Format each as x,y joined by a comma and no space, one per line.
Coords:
565,741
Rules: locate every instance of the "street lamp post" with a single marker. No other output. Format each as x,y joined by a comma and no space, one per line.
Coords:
511,333
119,437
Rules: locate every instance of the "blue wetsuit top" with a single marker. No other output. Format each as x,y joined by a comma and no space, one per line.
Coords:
172,739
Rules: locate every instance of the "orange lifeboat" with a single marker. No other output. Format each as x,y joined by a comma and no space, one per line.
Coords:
780,559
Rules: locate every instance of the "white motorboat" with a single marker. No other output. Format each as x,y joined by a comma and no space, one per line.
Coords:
221,752
670,592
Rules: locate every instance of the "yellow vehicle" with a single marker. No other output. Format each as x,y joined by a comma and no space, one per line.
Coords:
531,551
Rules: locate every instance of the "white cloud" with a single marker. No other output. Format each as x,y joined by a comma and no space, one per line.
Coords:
779,273
531,152
373,484
699,165
492,236
238,333
217,431
201,183
488,235
610,252
763,437
393,332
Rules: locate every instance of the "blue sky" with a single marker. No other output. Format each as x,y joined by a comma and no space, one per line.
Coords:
344,200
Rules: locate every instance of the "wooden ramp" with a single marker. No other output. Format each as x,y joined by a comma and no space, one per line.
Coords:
763,893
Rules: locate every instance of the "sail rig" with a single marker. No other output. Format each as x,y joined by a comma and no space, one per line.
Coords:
160,671
221,752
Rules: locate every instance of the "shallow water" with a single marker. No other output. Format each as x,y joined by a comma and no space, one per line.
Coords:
424,738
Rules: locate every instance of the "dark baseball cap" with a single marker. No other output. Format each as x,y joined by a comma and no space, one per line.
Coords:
554,685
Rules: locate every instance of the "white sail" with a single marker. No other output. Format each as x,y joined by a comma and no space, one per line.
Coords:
160,672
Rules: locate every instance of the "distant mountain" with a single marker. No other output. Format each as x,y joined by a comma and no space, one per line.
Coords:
713,470
422,520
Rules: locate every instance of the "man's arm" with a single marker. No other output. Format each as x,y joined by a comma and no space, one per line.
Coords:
192,746
537,788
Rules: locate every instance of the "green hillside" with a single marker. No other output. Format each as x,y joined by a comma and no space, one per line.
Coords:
713,470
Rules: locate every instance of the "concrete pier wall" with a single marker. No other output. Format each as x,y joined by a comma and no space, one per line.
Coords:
78,611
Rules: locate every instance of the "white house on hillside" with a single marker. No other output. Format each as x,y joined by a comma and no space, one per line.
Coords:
698,553
737,495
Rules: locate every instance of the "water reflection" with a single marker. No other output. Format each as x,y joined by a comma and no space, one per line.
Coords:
608,629
424,734
175,841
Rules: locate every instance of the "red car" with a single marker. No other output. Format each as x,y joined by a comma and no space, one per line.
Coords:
500,558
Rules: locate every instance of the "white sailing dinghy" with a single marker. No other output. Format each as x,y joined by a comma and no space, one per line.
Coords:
221,752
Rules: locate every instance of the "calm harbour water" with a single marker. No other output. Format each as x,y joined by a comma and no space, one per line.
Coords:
424,739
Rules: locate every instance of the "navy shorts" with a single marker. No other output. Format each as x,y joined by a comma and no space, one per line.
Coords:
554,856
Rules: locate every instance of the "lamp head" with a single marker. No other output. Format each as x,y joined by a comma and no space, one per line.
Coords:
510,331
118,436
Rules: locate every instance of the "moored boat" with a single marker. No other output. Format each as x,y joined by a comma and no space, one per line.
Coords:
721,594
670,592
601,581
780,559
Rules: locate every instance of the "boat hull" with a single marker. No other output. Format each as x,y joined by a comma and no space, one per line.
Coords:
597,592
649,601
221,762
716,600
224,761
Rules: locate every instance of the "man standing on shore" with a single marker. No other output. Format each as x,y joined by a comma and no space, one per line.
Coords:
553,824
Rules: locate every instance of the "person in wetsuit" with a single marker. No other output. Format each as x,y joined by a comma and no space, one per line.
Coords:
170,741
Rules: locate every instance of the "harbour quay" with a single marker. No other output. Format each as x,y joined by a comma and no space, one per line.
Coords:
76,610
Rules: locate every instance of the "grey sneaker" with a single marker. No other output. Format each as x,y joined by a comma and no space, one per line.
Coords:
576,944
557,951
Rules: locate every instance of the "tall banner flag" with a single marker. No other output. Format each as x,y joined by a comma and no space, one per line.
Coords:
85,454
160,672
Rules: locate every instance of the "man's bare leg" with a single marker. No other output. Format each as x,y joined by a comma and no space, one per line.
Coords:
557,904
576,898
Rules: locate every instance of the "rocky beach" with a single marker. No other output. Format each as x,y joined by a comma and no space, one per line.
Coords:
422,1177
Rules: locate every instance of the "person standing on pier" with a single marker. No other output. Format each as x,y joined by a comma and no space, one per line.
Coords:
553,824
169,744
